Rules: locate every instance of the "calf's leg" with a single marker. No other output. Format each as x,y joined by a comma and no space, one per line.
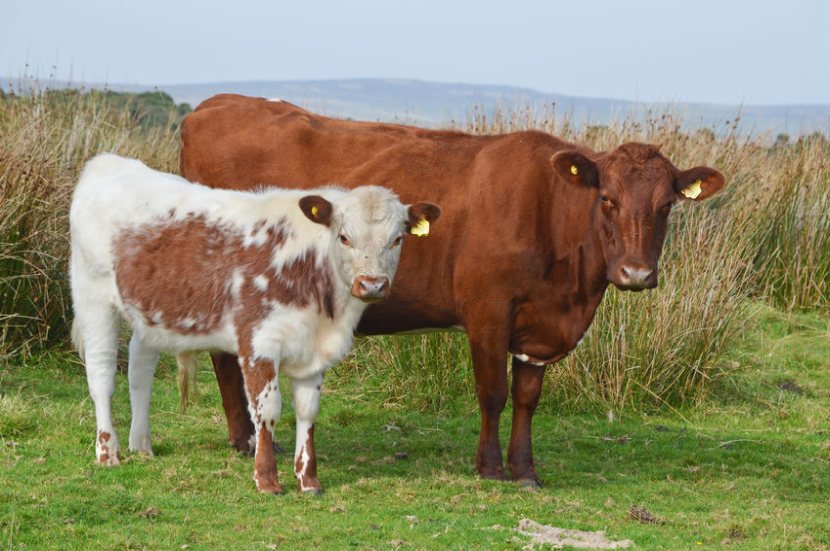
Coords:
265,404
142,367
306,405
234,401
526,388
98,326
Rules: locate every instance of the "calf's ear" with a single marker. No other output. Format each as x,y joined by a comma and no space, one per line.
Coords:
576,168
698,183
316,209
420,215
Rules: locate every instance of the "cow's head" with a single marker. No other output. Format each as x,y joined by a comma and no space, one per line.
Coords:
369,223
635,187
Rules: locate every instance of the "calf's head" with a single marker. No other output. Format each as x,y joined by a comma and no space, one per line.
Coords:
636,188
369,223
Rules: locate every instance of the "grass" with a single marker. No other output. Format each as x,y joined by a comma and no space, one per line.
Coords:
749,469
44,141
767,235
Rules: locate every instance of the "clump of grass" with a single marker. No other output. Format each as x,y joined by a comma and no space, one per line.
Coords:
16,417
428,372
793,231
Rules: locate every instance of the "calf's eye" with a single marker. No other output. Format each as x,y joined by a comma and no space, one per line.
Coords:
603,198
397,241
345,240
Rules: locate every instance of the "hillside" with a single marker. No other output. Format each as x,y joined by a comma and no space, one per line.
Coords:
436,103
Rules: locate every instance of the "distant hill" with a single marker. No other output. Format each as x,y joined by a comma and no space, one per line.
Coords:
436,103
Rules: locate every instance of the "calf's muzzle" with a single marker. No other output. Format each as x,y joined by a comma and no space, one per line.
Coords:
370,288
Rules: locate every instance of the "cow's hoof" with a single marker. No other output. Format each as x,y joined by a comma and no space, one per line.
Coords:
243,447
491,474
529,484
311,492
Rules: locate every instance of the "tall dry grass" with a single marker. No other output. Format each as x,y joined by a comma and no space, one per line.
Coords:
766,237
45,137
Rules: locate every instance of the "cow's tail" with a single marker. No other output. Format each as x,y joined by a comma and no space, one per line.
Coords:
186,378
77,338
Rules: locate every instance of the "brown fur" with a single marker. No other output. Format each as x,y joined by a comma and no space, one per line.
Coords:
181,270
521,259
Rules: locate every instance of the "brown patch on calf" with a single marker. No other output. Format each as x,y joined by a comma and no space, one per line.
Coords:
183,270
306,469
104,458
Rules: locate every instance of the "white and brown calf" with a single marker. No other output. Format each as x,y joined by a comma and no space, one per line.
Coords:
279,278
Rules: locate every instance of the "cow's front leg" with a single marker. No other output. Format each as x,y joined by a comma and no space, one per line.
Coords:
488,347
525,390
265,404
234,401
306,405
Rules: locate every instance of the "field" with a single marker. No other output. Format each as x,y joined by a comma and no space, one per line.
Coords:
694,416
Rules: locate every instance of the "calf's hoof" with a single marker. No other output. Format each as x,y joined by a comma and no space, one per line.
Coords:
272,488
109,459
307,485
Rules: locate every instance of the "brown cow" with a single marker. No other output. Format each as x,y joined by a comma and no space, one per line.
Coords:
535,228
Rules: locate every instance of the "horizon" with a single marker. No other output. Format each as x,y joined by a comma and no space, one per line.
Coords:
70,83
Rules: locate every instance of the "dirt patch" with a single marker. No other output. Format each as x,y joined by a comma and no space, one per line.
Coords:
560,537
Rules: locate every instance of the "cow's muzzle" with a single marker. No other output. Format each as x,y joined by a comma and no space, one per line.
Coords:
634,277
370,289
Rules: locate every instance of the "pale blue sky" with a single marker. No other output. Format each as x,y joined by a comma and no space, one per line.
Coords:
755,52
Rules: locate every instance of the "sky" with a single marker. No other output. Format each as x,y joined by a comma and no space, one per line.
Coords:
713,51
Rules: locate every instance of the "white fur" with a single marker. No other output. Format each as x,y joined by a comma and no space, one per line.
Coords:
116,194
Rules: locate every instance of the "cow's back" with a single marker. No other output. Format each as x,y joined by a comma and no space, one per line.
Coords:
240,142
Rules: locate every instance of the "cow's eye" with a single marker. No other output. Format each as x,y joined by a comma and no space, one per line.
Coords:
604,198
666,208
345,240
397,241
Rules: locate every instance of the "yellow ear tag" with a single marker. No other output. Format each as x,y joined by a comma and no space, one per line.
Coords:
574,170
692,191
314,211
421,228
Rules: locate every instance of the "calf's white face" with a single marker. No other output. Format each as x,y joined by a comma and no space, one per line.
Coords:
369,223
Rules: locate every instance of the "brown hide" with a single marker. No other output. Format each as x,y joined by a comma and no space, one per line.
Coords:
533,229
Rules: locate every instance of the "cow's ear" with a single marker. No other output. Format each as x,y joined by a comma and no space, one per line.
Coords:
316,209
576,168
698,183
420,216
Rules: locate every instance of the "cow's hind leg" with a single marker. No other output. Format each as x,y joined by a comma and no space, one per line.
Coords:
98,327
235,402
306,405
142,367
526,388
265,404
